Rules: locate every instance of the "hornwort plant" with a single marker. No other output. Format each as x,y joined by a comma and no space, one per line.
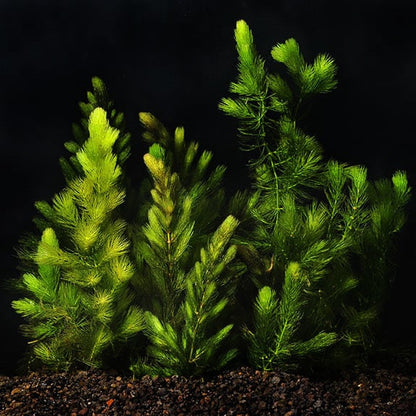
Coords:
318,236
309,245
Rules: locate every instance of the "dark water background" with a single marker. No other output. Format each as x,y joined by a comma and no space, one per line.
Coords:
176,59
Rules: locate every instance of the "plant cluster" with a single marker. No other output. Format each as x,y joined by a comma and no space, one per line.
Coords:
308,246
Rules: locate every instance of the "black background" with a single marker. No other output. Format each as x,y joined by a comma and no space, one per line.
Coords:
176,59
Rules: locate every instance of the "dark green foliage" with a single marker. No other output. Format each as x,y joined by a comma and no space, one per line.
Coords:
186,343
273,345
182,283
203,183
325,217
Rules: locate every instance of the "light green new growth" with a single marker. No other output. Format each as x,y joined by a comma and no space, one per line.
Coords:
98,97
78,305
72,168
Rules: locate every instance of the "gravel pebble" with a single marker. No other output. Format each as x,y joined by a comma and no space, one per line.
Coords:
384,391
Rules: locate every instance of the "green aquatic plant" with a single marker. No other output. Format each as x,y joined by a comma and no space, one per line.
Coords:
98,97
182,258
78,304
71,167
317,236
310,246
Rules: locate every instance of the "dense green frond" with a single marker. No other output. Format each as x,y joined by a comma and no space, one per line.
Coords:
273,341
69,296
261,341
319,77
157,151
86,235
72,147
49,254
97,98
115,247
188,344
290,305
132,324
289,54
222,236
65,209
156,132
203,163
42,331
315,78
280,87
96,341
336,177
316,344
80,289
325,70
356,215
252,75
101,303
50,356
401,187
46,210
39,287
28,308
122,269
316,259
236,108
163,337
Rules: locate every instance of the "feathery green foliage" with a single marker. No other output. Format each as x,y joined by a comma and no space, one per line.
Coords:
310,246
325,217
276,345
182,283
72,168
78,305
203,183
98,97
188,343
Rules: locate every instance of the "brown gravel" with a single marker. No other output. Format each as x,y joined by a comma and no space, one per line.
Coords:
379,390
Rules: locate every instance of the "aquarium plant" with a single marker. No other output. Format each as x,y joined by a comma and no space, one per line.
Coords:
71,168
78,304
309,246
182,258
318,236
98,97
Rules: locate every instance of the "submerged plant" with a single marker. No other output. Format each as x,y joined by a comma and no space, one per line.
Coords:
310,246
183,275
78,304
72,168
98,97
318,235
